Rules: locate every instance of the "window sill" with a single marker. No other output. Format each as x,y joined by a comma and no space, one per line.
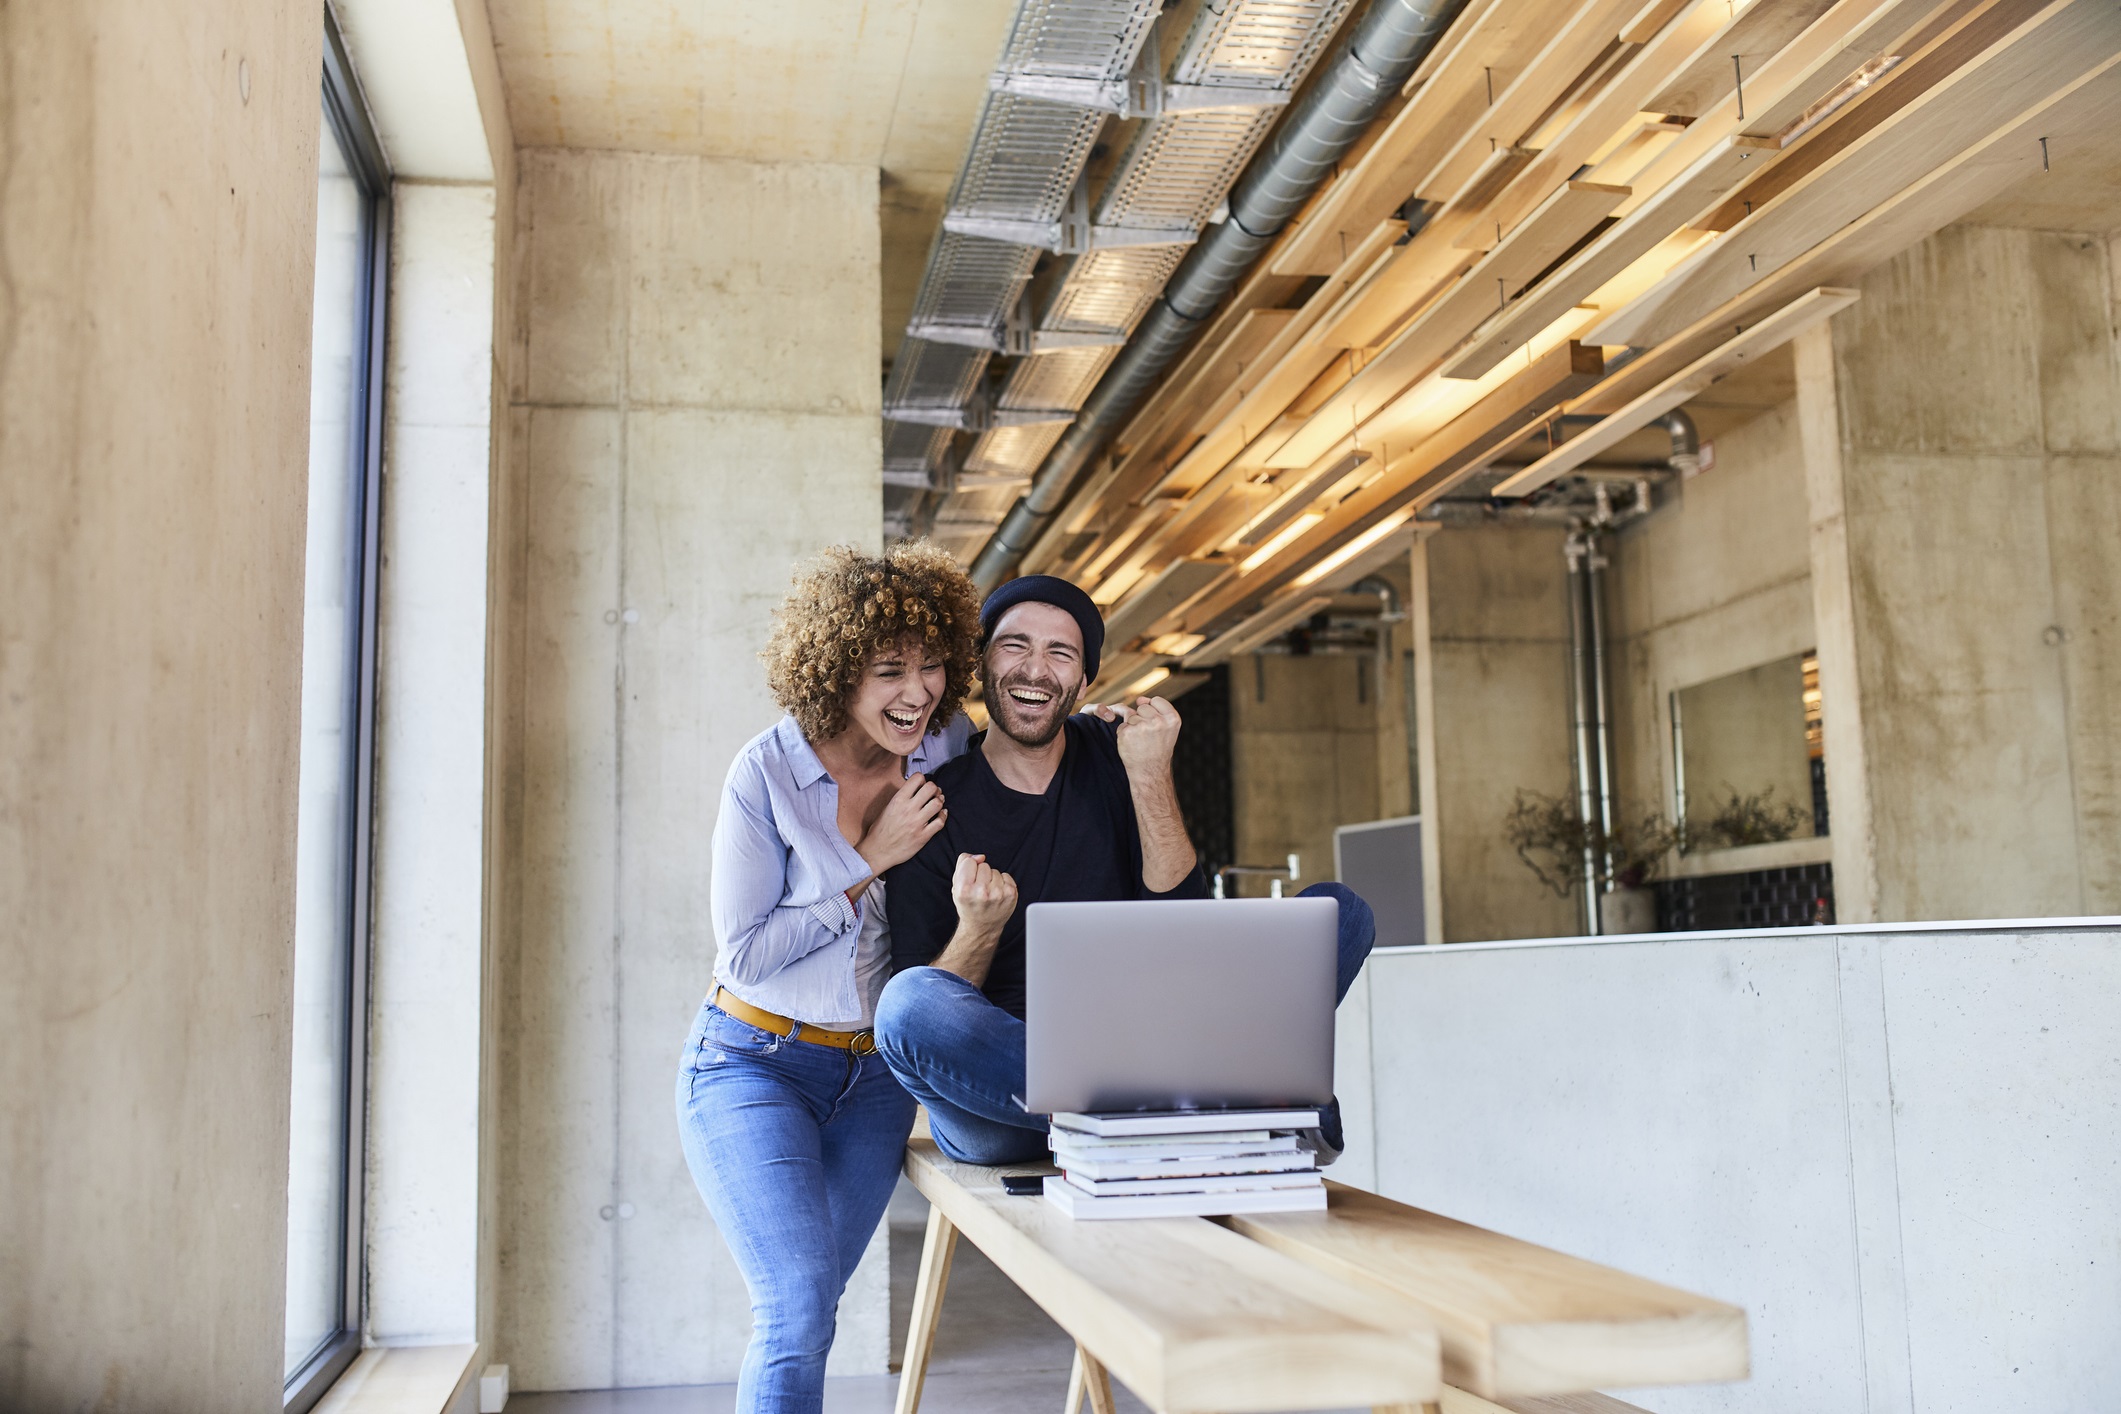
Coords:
405,1379
1782,854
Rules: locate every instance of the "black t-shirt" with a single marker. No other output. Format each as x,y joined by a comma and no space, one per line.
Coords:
1078,842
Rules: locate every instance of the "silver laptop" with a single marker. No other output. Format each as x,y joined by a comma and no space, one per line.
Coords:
1179,1004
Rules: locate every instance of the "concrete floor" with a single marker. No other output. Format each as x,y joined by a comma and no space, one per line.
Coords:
994,1349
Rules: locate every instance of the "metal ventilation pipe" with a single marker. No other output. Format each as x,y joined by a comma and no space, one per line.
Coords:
1590,702
1686,442
1390,41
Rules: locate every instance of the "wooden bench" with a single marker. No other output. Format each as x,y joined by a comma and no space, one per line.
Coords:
1370,1303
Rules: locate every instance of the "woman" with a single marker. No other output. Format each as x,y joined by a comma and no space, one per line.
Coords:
793,1126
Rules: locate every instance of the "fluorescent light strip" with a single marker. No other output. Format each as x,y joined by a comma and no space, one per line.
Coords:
1290,533
1353,548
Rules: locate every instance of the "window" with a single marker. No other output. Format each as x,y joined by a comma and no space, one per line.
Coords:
332,830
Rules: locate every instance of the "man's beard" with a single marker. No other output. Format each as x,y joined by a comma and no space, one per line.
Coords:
1004,709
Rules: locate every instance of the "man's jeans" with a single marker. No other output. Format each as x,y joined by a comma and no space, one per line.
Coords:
963,1057
796,1149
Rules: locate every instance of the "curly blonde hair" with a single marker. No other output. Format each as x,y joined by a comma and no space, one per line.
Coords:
847,607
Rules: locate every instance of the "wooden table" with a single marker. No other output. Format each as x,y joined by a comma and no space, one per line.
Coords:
1370,1303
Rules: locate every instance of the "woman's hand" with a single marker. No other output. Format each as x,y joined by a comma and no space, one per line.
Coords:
984,895
911,817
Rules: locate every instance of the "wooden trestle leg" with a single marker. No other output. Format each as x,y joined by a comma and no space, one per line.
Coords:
1088,1376
936,1251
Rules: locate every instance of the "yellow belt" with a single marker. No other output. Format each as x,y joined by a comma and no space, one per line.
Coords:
861,1043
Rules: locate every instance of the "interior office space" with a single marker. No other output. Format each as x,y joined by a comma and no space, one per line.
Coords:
1668,456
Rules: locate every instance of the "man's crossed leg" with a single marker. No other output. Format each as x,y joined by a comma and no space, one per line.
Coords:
963,1057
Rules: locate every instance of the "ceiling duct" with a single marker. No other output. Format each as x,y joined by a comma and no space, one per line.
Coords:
1388,44
1068,65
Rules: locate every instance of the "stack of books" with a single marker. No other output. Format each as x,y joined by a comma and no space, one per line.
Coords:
1185,1163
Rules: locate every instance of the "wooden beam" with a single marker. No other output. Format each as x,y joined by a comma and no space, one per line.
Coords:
1564,219
2079,122
1757,34
1769,334
1977,30
1883,24
1567,51
1288,364
1617,106
2064,43
1418,476
1634,236
1179,584
1516,1319
1477,61
1211,375
1266,623
1792,68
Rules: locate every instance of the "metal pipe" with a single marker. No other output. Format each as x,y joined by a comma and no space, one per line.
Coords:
1686,442
1601,705
1576,552
1389,43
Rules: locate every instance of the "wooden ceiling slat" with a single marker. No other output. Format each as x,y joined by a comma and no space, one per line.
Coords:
1496,45
1769,334
1416,476
1757,34
1616,106
2064,42
1570,49
1588,270
2088,112
1534,245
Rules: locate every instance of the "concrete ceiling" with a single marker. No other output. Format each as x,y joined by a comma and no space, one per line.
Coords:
895,84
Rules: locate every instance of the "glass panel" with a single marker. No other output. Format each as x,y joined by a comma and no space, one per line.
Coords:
317,1160
1747,744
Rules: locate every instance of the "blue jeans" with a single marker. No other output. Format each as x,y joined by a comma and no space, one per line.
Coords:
796,1148
963,1057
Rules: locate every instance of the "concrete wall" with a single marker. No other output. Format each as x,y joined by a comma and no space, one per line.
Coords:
1492,664
1967,490
693,407
1895,1149
1303,756
157,236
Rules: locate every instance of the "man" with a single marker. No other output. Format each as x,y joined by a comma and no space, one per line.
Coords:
1044,807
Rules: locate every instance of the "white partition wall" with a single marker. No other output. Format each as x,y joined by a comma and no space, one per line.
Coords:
1898,1148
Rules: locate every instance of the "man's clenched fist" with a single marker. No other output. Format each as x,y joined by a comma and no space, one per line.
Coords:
1148,733
984,895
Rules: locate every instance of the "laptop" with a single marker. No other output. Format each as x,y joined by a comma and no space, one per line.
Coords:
1170,1004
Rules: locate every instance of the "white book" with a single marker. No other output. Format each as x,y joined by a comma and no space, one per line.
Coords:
1295,1160
1184,1121
1082,1206
1192,1143
1227,1183
1159,1150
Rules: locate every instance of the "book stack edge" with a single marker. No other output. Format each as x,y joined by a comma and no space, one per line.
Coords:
1187,1163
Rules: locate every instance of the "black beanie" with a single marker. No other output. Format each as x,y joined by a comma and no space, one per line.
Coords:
1046,589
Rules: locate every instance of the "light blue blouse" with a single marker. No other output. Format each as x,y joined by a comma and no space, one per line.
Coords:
785,931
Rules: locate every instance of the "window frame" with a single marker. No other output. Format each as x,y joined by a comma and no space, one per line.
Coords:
347,113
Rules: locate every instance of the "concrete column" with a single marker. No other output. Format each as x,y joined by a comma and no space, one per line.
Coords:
1848,777
1426,803
1976,410
158,207
1493,720
695,404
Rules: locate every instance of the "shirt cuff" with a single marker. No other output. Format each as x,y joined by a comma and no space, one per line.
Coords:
835,912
